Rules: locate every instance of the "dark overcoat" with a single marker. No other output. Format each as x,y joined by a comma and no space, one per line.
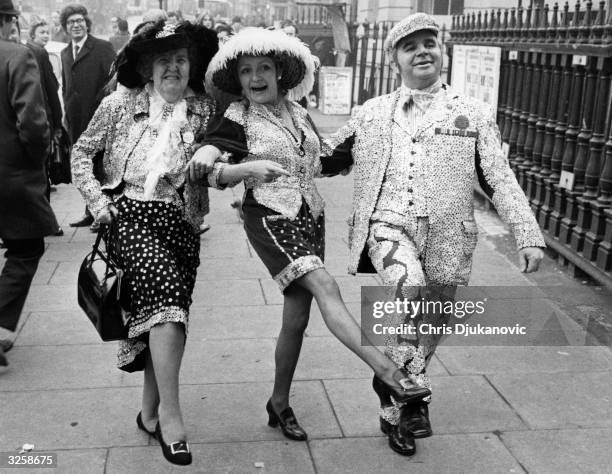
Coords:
83,80
25,212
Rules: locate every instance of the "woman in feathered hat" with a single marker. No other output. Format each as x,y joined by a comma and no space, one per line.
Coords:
147,132
275,150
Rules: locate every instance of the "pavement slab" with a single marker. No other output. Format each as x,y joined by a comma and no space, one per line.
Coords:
235,457
65,367
459,405
555,451
237,412
559,400
464,453
524,359
71,419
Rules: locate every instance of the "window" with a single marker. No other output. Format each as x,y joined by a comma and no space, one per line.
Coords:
441,7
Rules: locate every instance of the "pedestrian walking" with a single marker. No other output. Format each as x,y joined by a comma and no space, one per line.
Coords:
86,63
416,154
25,215
122,36
147,134
275,151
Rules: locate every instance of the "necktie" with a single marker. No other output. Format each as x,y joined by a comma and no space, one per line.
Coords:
76,50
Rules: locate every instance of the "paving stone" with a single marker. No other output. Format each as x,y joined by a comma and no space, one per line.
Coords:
236,248
79,461
57,329
276,456
67,273
562,400
517,360
66,251
224,360
44,272
69,419
459,405
236,322
227,293
237,412
67,367
231,269
556,451
52,298
439,454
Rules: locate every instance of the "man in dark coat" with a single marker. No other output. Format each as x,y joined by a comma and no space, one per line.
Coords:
83,75
25,214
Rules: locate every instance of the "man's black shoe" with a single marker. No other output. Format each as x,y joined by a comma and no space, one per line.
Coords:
85,221
414,420
6,345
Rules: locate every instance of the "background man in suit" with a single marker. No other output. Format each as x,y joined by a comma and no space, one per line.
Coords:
86,63
25,214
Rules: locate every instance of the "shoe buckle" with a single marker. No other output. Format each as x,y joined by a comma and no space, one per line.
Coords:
179,447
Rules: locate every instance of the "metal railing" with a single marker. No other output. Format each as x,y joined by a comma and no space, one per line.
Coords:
554,110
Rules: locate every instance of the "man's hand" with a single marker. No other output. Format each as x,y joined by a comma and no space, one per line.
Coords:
108,215
202,163
530,258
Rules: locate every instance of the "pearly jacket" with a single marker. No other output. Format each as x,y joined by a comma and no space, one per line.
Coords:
251,132
458,142
116,127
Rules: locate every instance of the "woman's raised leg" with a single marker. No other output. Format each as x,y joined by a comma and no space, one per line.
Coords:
340,322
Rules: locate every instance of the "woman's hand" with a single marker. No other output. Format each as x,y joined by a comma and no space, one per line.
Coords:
266,170
202,162
108,215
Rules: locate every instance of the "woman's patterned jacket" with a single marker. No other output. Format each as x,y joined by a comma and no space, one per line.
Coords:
116,128
457,142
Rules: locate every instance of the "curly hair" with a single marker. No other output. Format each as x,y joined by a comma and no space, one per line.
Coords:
74,9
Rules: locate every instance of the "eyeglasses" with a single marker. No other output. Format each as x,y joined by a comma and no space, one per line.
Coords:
78,21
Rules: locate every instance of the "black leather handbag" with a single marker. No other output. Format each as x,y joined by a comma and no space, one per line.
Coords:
103,292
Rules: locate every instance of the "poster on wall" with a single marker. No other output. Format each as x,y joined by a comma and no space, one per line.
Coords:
475,72
335,90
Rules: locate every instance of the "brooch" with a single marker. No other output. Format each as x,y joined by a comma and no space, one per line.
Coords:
188,137
462,122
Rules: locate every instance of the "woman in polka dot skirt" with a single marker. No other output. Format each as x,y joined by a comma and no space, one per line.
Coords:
147,132
275,150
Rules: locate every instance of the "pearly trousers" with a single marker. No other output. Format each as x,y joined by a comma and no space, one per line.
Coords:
398,253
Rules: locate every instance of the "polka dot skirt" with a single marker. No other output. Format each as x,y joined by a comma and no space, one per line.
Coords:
159,253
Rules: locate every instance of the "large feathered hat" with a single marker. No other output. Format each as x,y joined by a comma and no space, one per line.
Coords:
160,37
298,64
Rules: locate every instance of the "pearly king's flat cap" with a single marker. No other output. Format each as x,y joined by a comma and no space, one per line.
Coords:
407,26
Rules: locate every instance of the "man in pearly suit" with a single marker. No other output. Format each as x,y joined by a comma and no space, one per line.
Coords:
416,154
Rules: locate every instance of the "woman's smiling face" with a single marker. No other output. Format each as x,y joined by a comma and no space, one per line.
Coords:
257,76
171,74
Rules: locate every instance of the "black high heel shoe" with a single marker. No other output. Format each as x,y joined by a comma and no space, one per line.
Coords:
142,426
176,453
287,421
409,393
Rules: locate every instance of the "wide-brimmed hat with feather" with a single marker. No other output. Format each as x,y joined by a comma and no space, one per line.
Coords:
297,63
160,37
